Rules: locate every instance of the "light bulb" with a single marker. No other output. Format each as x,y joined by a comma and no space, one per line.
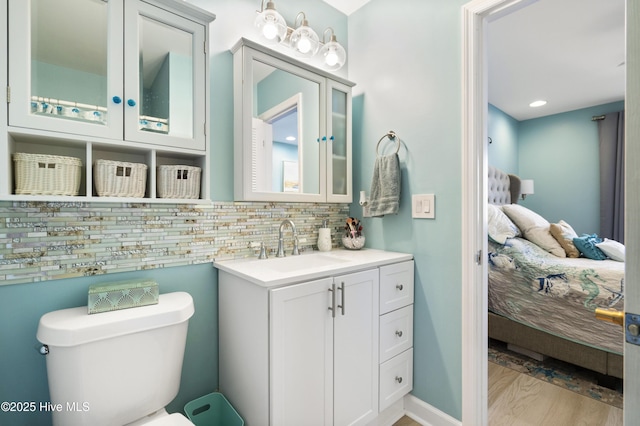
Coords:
333,54
304,45
269,31
304,40
331,59
271,24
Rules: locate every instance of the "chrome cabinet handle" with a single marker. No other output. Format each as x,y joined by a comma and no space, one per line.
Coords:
399,333
341,305
399,287
399,379
332,308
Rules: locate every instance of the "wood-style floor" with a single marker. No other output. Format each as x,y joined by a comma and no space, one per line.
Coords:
516,399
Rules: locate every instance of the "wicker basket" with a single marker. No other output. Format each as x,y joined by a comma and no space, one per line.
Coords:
40,174
120,179
179,181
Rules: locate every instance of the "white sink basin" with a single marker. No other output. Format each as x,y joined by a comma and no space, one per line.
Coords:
301,262
279,271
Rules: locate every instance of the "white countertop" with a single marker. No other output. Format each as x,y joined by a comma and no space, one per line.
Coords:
279,271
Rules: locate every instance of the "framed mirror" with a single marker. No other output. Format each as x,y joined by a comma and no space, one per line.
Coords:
283,133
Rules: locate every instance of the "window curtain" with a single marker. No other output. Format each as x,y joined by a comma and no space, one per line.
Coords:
611,135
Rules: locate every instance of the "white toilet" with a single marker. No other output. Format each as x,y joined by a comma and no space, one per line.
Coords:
116,368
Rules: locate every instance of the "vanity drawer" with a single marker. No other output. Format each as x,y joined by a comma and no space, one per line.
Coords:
396,286
396,332
396,378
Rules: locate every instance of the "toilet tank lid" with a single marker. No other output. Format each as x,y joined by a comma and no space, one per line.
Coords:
74,326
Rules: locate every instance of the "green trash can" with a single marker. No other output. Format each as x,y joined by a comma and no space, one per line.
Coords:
212,410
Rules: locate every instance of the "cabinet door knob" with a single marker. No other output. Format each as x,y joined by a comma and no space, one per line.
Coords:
324,139
332,138
131,102
399,333
117,99
398,379
399,287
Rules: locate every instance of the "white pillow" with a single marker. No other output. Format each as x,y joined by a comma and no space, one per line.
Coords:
613,249
534,228
500,227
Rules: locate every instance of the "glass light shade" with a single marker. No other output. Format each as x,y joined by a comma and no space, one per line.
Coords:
305,41
271,25
333,55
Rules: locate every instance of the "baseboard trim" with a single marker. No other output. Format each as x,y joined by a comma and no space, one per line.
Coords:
426,414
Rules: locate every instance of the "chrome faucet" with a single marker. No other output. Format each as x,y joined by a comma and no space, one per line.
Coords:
283,225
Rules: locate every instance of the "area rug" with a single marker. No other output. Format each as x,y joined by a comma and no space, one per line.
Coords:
568,376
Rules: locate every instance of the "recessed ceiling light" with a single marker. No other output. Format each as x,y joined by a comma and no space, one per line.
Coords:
536,104
290,138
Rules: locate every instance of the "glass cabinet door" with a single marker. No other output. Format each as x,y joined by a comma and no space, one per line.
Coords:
339,143
65,67
164,78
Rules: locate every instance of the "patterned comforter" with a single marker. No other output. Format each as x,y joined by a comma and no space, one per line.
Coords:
556,295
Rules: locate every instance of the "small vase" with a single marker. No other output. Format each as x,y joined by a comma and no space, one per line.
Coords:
355,243
324,239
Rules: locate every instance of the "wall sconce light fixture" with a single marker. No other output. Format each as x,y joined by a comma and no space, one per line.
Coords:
303,39
526,187
271,24
332,52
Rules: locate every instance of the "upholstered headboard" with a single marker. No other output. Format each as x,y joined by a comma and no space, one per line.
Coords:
503,188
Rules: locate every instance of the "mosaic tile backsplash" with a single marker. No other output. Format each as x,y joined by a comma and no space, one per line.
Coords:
53,240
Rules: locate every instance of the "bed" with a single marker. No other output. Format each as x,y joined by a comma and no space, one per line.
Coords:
542,300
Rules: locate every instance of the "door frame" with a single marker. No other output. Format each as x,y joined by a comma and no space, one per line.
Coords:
475,16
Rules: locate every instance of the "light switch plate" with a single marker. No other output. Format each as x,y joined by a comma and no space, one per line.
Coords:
423,206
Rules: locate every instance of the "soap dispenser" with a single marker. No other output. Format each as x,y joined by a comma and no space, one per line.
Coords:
324,237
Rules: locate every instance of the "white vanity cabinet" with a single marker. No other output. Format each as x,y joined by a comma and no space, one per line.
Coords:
292,129
317,351
324,362
113,80
396,332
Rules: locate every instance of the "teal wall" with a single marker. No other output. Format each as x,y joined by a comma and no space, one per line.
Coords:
405,57
560,153
53,81
502,130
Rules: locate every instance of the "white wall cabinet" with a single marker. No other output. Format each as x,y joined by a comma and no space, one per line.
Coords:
306,112
117,80
316,352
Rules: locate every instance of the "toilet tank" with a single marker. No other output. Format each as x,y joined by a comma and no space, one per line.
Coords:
115,367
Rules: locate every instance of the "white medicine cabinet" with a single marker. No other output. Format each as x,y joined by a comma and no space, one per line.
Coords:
118,80
292,129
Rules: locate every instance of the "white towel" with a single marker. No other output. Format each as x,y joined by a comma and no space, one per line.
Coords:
385,186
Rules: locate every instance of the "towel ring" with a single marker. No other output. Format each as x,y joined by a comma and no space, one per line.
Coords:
392,136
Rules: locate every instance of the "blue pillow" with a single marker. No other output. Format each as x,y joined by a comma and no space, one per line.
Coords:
587,246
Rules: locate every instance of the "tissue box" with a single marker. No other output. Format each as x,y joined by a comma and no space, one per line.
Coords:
122,295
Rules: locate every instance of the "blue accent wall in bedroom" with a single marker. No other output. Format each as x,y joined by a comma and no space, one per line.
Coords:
560,153
502,150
